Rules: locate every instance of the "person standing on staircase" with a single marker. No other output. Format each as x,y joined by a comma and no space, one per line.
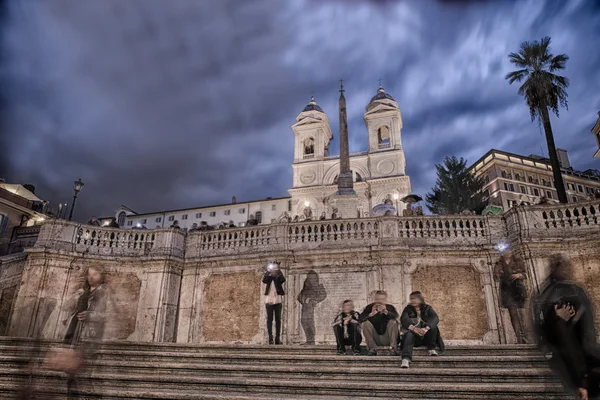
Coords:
274,280
420,326
347,329
511,275
379,322
564,327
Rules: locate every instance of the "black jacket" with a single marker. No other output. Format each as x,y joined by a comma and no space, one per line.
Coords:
379,320
429,318
278,280
576,356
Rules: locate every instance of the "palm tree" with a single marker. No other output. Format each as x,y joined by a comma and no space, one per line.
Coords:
543,90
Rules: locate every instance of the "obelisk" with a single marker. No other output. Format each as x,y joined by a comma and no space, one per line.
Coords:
345,198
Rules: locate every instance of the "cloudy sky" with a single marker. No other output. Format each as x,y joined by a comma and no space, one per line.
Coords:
172,104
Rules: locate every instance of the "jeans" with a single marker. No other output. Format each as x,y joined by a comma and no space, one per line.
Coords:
274,309
412,340
515,320
354,337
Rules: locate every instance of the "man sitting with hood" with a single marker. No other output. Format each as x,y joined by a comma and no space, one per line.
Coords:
420,323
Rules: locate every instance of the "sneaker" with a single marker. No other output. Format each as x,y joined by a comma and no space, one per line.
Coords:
372,352
341,352
356,352
432,352
270,340
405,363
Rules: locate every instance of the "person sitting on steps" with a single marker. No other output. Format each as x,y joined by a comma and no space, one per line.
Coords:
420,326
347,329
379,322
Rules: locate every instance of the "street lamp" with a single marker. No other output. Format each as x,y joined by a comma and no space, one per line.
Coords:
77,185
396,197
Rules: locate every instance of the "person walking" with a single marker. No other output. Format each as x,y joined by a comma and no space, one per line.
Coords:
511,276
274,280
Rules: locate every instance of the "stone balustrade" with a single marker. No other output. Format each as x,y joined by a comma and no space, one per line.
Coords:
543,221
554,222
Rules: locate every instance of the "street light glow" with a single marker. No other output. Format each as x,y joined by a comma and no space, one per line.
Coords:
306,203
396,196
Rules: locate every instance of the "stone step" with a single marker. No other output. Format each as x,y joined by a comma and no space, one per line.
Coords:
323,372
12,343
142,386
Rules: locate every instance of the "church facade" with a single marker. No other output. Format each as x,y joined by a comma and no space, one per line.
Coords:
379,173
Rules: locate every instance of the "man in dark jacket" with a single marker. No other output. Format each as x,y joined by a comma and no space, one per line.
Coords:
564,325
420,324
347,329
380,324
274,280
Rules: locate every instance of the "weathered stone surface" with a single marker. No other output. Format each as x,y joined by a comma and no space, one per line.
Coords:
455,293
231,306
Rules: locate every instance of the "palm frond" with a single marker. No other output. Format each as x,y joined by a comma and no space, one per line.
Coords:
516,75
558,62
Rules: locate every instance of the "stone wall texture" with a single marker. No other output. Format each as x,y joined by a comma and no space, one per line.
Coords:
195,287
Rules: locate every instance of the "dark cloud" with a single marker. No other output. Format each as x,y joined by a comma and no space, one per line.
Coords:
159,105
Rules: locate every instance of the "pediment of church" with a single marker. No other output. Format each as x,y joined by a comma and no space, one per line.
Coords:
381,108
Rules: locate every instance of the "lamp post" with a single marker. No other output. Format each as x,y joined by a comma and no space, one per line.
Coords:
77,185
396,197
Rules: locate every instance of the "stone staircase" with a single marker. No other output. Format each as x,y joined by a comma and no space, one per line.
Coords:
129,370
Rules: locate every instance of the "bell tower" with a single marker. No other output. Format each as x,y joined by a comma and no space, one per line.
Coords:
312,134
384,122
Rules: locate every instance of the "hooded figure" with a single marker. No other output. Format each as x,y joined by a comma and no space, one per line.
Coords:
564,326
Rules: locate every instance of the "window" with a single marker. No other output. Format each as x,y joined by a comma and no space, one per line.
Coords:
309,147
184,216
198,215
571,186
171,218
589,190
574,199
523,189
486,178
144,221
530,179
213,213
3,224
509,186
289,205
518,177
273,207
121,218
227,212
383,137
241,224
258,216
158,219
129,223
536,192
511,203
580,188
242,210
548,194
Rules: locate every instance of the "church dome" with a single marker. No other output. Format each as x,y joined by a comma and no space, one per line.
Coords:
381,95
312,106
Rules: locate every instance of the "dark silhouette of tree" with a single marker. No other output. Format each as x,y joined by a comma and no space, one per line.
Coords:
456,189
542,90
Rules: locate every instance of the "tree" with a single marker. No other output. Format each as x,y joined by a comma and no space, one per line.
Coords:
456,189
542,90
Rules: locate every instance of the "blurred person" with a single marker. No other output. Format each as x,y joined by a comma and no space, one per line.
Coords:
420,325
113,223
564,326
313,292
347,329
85,325
175,225
379,322
510,273
274,280
251,221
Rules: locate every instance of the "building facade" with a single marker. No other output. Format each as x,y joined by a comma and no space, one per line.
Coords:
512,179
596,133
378,173
19,209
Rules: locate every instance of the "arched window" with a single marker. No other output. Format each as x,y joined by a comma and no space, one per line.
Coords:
309,147
258,216
358,177
335,180
121,218
383,137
